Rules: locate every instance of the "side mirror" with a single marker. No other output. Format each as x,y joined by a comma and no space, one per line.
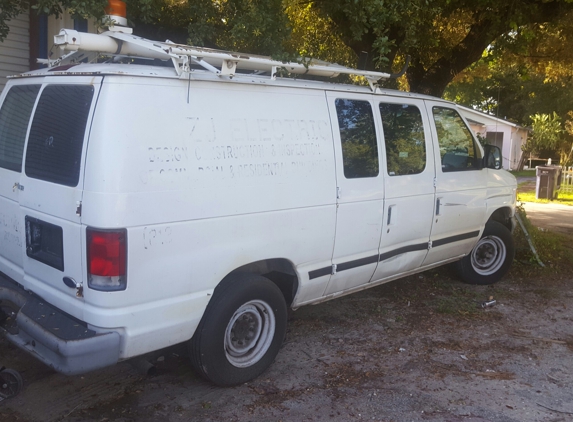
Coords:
492,157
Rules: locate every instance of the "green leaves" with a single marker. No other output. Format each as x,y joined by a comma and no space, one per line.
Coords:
9,9
547,132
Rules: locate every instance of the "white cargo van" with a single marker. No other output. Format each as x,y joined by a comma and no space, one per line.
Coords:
144,206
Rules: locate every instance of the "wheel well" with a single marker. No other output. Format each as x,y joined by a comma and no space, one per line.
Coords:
279,270
503,216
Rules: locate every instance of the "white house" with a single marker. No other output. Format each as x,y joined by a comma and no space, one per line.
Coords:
508,136
31,36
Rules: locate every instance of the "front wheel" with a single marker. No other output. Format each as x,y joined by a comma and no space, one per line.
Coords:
241,331
490,258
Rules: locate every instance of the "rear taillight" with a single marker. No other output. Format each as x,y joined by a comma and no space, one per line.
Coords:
107,259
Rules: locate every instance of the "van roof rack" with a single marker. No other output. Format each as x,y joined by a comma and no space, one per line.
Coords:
118,41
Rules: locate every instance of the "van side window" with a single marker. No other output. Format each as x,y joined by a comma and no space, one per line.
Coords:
457,146
14,120
404,139
57,134
358,137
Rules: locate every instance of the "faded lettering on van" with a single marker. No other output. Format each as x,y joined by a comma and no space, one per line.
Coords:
288,150
257,130
239,130
162,175
203,129
265,130
165,154
257,169
257,148
11,227
156,236
308,167
212,169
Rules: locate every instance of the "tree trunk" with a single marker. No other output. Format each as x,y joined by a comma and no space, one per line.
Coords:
433,78
522,160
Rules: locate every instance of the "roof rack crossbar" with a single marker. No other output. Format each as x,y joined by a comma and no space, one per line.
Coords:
223,63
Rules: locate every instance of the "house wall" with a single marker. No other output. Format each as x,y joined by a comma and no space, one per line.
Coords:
24,40
506,148
54,26
519,137
513,136
15,49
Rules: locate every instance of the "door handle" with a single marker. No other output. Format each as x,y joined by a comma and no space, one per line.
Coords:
438,206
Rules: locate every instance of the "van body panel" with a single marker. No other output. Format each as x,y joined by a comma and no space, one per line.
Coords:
228,184
501,193
226,145
11,226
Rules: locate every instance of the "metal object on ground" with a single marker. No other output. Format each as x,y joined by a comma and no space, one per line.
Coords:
526,234
11,383
488,303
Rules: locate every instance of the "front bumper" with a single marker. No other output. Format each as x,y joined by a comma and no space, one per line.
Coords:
52,336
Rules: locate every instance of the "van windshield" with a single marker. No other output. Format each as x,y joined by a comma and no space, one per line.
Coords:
57,134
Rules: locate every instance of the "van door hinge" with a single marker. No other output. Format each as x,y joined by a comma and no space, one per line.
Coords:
79,208
429,245
333,269
338,192
17,186
435,183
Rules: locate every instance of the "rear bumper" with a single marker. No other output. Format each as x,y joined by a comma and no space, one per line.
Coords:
52,336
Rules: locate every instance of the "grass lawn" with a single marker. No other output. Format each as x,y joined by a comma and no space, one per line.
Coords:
524,173
529,196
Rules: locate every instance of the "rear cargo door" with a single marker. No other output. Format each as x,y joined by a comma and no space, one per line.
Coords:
15,113
51,188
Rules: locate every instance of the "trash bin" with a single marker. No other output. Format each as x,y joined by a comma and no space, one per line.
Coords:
548,182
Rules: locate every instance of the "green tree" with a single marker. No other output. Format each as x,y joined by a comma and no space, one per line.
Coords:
547,134
566,151
9,9
443,37
519,76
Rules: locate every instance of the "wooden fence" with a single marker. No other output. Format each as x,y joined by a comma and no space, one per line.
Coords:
567,180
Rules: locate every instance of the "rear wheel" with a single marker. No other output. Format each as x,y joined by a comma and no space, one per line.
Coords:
241,331
490,258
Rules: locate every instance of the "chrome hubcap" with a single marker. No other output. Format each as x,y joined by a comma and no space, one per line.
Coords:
249,333
488,255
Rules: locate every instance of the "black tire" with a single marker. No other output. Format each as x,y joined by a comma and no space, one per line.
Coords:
490,258
241,331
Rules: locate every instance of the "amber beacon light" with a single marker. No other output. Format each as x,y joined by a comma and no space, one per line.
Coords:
116,10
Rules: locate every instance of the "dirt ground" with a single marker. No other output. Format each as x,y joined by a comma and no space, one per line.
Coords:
416,349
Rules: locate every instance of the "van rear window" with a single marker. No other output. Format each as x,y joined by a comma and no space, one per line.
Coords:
57,134
14,120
